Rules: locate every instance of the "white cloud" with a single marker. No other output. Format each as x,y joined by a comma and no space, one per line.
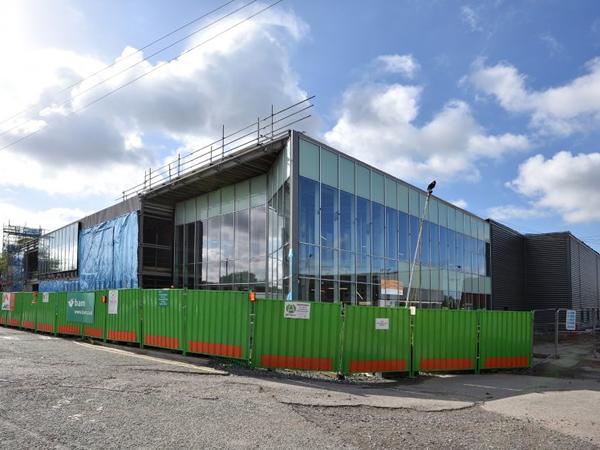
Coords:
508,212
471,18
566,184
461,203
553,45
48,219
376,123
398,64
104,149
561,110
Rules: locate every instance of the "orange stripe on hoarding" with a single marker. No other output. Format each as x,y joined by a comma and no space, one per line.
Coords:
69,329
506,361
14,322
162,341
28,324
209,348
93,332
296,362
377,365
127,336
46,327
446,364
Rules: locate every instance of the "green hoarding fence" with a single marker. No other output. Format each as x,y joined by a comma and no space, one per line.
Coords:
28,311
4,305
46,312
376,340
123,315
67,322
12,305
162,322
297,335
94,325
217,323
278,334
444,340
505,339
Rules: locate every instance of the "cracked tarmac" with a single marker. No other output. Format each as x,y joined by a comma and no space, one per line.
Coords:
63,393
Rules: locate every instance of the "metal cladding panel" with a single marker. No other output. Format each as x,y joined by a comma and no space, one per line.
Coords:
162,323
445,340
305,344
376,340
547,271
217,323
28,312
46,313
124,326
584,275
507,268
505,339
97,328
63,326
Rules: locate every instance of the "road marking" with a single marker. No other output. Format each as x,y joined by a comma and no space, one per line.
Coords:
10,338
493,387
207,370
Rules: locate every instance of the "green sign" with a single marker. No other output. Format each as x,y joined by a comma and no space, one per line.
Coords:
163,298
80,307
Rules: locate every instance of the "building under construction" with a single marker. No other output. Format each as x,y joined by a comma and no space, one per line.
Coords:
272,210
19,246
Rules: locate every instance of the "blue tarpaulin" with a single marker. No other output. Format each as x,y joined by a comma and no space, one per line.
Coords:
58,285
108,254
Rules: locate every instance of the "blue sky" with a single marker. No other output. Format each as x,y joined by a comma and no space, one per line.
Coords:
498,100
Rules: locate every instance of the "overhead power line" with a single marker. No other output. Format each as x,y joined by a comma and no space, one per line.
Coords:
98,72
130,82
101,82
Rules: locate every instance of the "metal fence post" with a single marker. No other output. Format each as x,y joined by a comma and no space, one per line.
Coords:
556,334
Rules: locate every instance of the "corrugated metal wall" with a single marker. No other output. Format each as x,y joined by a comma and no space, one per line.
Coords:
547,271
584,275
508,268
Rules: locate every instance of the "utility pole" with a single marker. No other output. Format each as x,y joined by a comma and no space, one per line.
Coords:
418,249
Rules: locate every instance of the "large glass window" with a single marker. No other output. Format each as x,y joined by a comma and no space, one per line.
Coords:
391,233
378,229
58,250
363,229
346,221
309,210
328,216
403,237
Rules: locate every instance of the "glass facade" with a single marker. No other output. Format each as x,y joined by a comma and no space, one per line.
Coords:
58,250
358,232
237,238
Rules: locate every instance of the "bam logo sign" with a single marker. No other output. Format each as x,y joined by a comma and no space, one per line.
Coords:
80,307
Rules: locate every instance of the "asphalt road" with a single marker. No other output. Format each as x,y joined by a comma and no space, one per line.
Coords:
62,393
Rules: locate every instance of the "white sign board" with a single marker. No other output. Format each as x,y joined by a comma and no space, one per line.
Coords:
113,301
571,321
5,302
382,324
45,297
296,310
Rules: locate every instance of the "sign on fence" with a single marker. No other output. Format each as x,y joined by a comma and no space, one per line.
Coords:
571,320
296,310
163,298
45,297
80,307
382,324
113,301
8,302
